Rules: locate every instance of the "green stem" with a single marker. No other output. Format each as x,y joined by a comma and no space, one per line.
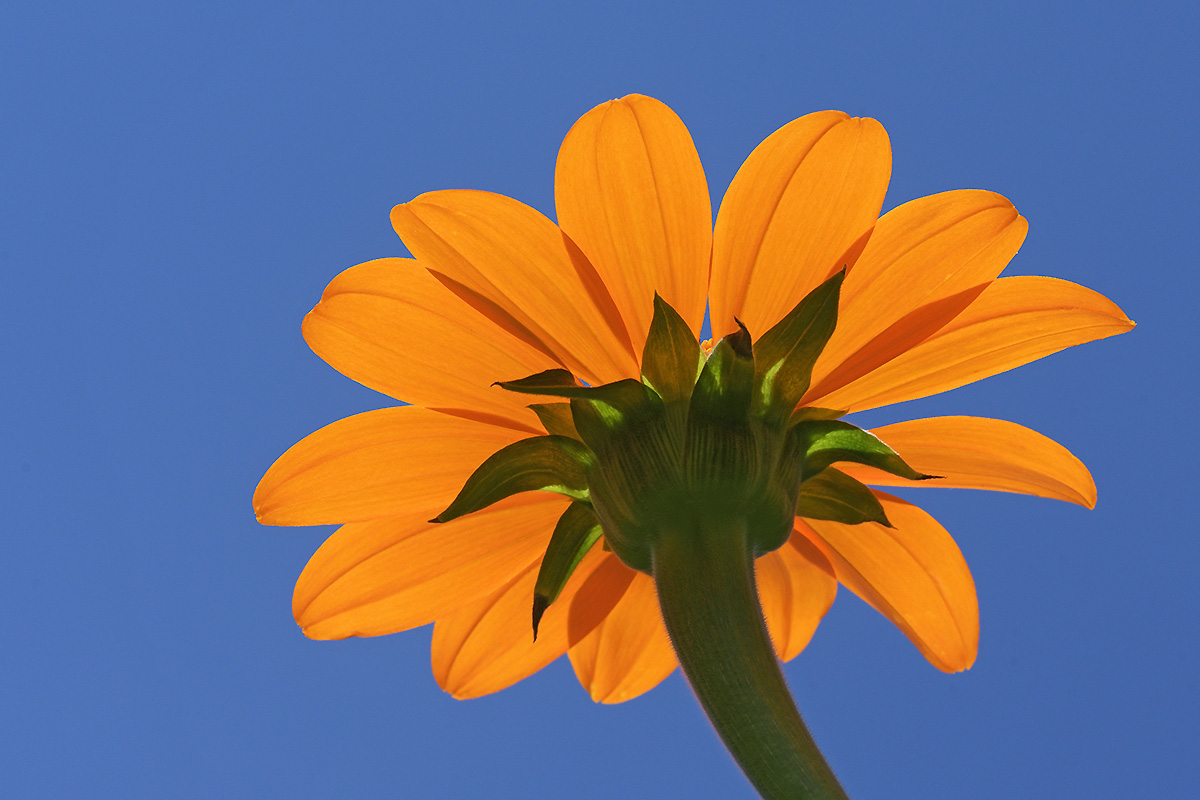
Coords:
706,589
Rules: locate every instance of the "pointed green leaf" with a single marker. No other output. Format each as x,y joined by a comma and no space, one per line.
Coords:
556,379
785,355
556,418
596,411
577,530
624,395
826,442
672,358
560,383
726,381
812,412
835,496
543,463
605,410
720,449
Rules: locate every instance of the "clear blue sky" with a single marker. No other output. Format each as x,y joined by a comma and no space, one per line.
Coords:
178,184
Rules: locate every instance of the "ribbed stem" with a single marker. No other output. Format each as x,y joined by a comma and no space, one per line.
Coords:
709,602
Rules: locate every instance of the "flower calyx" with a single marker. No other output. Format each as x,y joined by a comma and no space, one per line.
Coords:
695,440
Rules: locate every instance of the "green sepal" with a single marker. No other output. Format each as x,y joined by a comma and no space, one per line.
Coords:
672,358
561,383
542,463
574,534
556,418
785,355
826,442
835,496
726,381
554,380
596,411
808,413
723,450
606,410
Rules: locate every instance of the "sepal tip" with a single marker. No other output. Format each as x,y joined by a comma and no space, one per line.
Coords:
540,604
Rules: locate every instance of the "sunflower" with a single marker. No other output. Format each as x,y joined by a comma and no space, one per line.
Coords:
497,292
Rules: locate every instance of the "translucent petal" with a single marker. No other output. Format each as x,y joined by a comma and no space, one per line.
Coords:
630,192
924,251
597,597
980,453
799,209
488,645
390,325
513,264
796,587
389,575
629,653
913,574
405,461
1013,321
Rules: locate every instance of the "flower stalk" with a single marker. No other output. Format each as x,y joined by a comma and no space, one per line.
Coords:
709,602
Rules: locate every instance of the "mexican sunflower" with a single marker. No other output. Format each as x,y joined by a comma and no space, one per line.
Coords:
821,307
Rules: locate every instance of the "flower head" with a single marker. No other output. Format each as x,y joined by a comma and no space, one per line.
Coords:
498,292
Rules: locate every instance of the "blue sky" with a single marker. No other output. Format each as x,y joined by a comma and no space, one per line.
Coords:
179,183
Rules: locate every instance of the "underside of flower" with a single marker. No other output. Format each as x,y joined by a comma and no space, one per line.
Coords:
700,442
671,482
689,475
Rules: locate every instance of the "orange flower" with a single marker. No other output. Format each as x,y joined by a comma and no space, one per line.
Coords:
498,292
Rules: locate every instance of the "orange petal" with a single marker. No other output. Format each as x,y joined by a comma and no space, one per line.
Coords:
385,463
796,586
913,574
629,653
1014,321
390,325
922,252
597,597
630,191
512,264
799,209
979,453
488,645
389,575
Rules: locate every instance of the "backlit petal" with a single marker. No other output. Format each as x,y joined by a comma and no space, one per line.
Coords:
405,461
913,574
1013,321
629,653
979,453
389,575
390,325
630,191
796,586
597,597
488,645
921,252
512,263
800,208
